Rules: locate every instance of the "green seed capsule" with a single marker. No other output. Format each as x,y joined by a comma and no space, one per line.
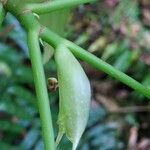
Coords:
75,95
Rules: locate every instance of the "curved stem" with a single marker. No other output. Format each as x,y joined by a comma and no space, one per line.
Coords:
2,13
105,67
54,40
41,90
47,7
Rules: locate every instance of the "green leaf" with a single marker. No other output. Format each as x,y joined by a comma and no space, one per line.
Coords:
7,146
23,74
8,106
124,61
30,139
126,9
10,56
22,93
109,51
146,80
6,125
17,33
5,70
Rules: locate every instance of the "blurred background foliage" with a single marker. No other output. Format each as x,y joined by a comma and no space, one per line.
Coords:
117,31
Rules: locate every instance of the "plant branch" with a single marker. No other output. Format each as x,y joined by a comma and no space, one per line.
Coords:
49,6
54,40
105,67
41,90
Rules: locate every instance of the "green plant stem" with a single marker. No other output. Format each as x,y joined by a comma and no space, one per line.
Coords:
2,13
51,38
32,27
105,67
49,6
41,90
54,40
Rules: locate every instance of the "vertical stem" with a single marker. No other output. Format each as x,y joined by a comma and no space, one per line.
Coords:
41,90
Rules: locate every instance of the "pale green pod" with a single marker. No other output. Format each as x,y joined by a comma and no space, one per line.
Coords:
74,94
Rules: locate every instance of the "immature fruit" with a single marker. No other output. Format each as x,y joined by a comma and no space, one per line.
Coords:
74,93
